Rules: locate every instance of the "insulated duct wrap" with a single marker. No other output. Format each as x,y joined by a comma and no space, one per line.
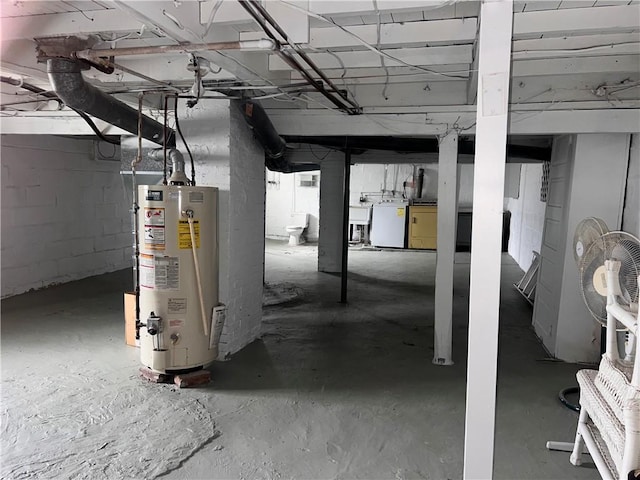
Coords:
273,144
68,83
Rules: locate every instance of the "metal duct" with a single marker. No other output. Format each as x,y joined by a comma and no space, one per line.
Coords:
68,83
420,145
273,144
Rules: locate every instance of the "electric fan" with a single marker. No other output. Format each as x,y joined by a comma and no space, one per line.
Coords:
587,232
622,247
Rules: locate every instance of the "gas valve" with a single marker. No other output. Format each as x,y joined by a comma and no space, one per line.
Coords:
154,324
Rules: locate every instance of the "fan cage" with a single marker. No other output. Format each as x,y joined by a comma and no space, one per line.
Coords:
622,247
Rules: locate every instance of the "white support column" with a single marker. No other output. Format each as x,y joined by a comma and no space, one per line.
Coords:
331,205
488,191
447,223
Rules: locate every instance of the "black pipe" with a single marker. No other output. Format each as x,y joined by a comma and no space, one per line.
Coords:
253,9
265,14
420,183
345,227
415,145
68,83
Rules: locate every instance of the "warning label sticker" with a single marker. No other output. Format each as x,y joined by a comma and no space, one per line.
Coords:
184,235
176,323
154,216
167,273
154,228
400,212
177,305
147,271
154,238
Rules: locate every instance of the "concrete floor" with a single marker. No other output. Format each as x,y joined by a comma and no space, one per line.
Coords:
330,391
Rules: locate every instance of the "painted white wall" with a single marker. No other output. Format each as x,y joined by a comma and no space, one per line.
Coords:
228,157
631,214
369,180
285,197
527,216
65,215
560,316
331,215
377,182
527,211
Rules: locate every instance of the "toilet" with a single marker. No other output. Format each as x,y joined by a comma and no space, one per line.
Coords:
299,221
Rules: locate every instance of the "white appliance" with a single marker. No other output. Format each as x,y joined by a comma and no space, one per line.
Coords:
359,219
178,267
389,224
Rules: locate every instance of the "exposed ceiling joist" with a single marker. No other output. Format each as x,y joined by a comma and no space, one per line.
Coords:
570,66
549,122
579,45
575,21
60,24
413,56
437,32
183,26
377,75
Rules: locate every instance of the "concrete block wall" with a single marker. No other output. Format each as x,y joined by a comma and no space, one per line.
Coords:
65,215
247,233
527,216
227,157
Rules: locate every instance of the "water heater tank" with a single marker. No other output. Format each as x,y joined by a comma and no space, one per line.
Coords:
178,284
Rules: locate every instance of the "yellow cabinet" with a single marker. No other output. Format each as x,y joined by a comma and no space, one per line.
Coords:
423,226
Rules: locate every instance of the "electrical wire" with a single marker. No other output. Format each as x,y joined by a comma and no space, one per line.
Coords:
562,396
186,145
329,152
51,95
572,50
384,65
363,42
212,15
176,38
269,26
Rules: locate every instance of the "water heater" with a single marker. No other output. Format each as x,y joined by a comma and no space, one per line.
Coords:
178,277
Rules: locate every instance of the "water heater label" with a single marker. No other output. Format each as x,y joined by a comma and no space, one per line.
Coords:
196,197
154,228
184,235
147,271
154,195
154,238
176,305
167,271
